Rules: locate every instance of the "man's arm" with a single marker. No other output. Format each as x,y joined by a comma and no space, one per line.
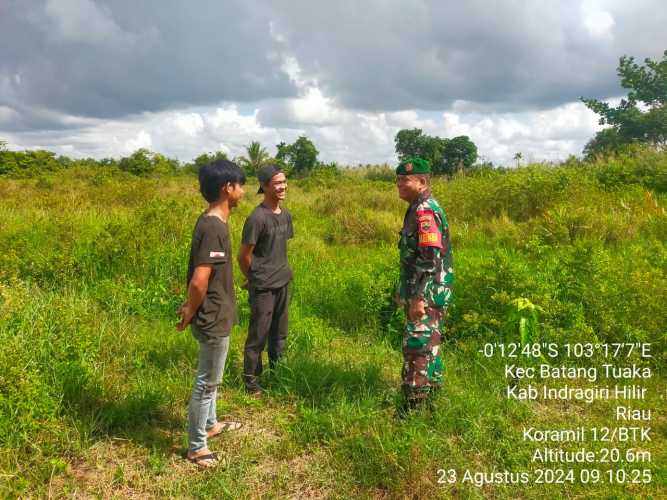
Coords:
429,248
245,258
196,292
424,274
252,228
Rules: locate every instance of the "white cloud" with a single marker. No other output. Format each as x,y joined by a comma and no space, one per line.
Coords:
189,123
545,135
314,108
142,140
598,22
341,135
222,147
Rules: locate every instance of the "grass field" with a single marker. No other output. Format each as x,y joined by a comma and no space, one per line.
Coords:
94,379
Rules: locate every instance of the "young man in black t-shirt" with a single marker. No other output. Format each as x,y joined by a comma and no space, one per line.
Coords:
263,260
210,307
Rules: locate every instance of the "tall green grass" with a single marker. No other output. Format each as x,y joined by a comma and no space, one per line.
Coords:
92,270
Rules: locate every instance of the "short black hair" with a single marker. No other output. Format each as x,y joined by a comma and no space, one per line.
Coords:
216,174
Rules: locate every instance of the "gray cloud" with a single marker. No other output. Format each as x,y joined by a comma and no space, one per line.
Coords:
115,58
392,54
110,59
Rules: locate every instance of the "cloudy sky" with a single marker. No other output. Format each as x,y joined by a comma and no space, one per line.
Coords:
105,77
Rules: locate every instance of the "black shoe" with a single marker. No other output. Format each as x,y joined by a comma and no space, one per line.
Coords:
409,404
254,390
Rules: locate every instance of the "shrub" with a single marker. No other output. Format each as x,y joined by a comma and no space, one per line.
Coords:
144,162
382,173
642,165
23,164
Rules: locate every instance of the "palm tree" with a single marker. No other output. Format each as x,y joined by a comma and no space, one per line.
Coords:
256,157
518,157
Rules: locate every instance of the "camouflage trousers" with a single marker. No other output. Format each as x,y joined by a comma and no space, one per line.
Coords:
422,364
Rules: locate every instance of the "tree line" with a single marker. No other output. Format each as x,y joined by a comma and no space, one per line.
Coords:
298,159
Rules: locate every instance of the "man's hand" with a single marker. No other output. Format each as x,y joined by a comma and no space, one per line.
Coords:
245,259
186,314
196,293
416,309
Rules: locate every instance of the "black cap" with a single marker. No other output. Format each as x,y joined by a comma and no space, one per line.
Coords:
265,174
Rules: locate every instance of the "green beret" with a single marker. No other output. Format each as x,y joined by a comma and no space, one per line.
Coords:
413,166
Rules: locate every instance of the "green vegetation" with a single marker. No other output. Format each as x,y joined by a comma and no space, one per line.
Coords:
94,379
446,156
201,160
256,157
144,162
299,157
641,118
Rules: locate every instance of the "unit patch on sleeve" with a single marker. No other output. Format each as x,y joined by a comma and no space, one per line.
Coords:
429,233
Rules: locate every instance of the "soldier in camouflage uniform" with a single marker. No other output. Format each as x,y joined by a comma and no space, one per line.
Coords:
425,281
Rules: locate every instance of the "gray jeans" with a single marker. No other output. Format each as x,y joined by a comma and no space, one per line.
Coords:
201,416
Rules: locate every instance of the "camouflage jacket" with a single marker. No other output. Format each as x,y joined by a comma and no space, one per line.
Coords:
426,256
